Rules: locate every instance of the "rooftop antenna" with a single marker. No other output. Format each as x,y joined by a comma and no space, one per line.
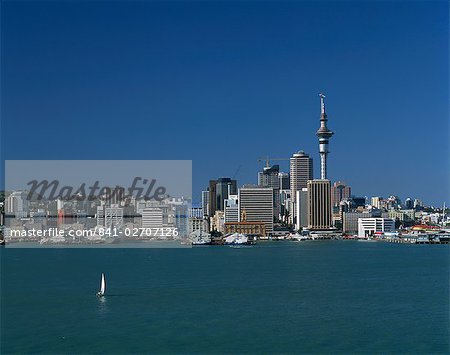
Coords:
443,215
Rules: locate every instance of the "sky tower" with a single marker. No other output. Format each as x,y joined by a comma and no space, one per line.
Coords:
324,134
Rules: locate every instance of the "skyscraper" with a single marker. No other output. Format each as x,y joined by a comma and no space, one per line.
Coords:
231,209
285,181
319,190
205,202
152,217
17,204
113,217
301,167
339,192
319,204
224,188
255,202
324,135
376,201
269,177
219,190
301,203
212,197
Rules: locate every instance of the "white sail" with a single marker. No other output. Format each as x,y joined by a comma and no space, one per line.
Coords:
103,285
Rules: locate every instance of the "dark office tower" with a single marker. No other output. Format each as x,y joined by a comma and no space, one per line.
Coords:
409,204
339,191
269,177
224,188
324,134
212,197
205,202
285,181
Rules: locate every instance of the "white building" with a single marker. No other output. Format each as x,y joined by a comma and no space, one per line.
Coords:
181,218
376,201
17,204
196,224
231,206
114,217
196,212
369,226
301,170
152,217
100,216
301,205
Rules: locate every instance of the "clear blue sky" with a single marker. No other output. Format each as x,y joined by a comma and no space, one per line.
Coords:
225,83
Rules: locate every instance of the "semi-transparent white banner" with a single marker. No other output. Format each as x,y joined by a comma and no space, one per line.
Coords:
97,203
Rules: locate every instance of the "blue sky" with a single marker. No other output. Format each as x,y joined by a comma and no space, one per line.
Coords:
226,83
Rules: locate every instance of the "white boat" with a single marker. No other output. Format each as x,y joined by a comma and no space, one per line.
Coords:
200,238
101,293
298,237
236,239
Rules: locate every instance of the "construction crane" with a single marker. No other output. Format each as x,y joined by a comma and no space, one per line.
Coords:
237,171
268,159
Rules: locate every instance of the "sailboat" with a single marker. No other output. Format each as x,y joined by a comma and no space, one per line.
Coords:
101,293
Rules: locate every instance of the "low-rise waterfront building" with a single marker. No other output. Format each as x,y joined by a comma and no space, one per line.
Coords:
196,224
255,228
368,227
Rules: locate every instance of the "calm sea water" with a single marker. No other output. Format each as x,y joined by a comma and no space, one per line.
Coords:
280,297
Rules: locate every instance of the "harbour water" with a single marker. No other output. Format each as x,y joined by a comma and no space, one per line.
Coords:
274,297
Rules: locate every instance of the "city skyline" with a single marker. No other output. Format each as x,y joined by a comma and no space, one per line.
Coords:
127,94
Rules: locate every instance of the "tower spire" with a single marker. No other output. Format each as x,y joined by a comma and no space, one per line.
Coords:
322,104
324,134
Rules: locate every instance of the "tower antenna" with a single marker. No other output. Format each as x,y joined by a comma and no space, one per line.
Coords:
324,134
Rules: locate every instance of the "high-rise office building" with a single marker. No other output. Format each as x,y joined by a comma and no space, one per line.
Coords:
285,205
212,197
113,217
205,202
301,166
269,177
301,170
152,217
231,209
376,201
319,204
339,192
319,190
17,204
196,211
255,205
302,209
219,190
224,188
181,218
409,203
285,181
